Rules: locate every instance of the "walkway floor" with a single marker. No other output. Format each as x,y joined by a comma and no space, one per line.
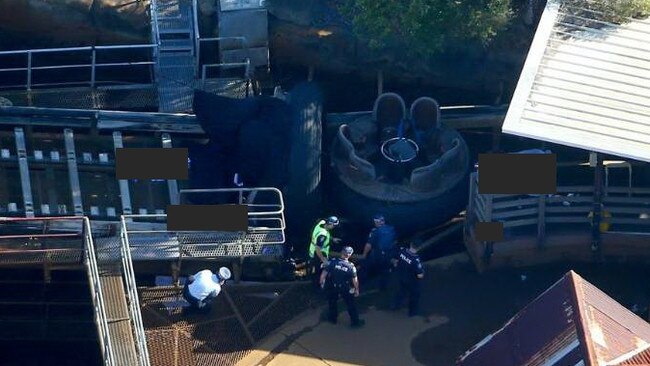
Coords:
462,308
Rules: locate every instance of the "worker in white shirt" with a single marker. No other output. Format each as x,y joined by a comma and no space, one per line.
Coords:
204,287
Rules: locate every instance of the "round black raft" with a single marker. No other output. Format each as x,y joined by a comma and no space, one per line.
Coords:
415,171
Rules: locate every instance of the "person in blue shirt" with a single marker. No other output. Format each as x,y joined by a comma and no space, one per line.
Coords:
339,279
410,273
378,251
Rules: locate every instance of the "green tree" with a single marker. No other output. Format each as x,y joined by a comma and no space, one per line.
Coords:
424,27
614,11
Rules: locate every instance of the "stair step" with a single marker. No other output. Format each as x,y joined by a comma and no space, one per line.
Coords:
175,31
176,48
121,331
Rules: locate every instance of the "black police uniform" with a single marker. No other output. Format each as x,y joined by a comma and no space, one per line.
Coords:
340,274
382,240
408,267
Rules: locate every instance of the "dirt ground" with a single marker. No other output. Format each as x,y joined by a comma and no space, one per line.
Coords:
462,307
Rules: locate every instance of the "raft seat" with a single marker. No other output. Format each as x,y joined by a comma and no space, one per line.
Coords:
389,110
425,114
431,176
357,168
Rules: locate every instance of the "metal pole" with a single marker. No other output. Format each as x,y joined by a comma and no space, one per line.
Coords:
597,207
92,69
124,184
73,172
172,184
29,70
23,166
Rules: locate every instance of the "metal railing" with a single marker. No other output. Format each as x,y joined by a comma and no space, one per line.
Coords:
29,67
148,237
134,303
39,240
43,228
627,208
155,30
97,295
203,68
197,42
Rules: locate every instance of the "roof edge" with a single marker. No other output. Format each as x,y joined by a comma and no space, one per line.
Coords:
582,328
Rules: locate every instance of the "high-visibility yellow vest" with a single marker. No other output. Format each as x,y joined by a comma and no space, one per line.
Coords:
604,220
319,230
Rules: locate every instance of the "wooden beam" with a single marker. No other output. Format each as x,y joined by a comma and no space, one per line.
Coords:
541,221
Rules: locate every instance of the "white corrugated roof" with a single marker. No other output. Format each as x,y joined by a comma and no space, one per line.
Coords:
586,84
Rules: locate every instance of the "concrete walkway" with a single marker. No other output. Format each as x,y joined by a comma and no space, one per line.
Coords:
384,340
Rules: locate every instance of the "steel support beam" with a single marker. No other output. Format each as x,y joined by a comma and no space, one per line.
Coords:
172,184
25,181
73,172
124,184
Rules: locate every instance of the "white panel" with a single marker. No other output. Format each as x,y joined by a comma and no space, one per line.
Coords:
590,91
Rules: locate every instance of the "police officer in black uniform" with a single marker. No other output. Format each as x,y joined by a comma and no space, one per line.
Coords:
339,278
409,273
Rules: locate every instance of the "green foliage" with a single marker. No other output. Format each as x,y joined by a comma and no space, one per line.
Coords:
614,11
424,27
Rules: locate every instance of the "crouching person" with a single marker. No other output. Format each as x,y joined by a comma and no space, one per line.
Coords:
202,288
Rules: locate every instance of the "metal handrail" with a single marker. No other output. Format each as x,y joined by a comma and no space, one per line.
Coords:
241,192
153,8
90,261
134,303
197,42
244,46
98,297
93,65
512,210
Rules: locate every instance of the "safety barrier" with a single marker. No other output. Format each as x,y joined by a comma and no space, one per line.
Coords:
148,238
29,240
97,295
625,211
59,240
128,276
28,67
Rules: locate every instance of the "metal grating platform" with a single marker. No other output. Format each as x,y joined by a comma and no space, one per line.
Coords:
119,323
241,316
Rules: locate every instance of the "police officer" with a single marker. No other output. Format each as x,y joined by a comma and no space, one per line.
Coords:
203,287
379,250
409,273
339,278
319,246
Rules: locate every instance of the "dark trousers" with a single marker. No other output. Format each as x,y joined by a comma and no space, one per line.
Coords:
315,270
410,287
333,295
203,305
376,267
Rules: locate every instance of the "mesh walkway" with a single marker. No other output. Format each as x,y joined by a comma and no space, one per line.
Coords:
240,318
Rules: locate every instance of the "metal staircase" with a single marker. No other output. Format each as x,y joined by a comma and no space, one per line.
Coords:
58,243
173,29
179,69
